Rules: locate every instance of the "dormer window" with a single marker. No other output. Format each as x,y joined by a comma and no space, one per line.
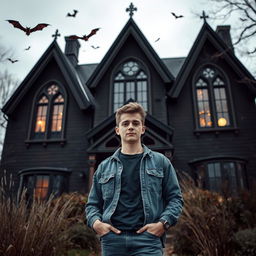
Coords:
130,82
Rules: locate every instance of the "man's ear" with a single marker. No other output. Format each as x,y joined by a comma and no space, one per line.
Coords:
143,129
117,130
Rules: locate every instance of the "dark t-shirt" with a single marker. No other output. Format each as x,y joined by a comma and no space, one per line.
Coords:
129,213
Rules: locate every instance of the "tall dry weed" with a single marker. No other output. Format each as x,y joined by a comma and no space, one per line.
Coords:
33,229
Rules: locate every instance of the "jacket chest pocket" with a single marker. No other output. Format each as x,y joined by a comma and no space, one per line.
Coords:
154,179
107,185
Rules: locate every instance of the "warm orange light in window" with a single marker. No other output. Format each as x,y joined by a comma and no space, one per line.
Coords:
202,122
41,188
222,121
40,126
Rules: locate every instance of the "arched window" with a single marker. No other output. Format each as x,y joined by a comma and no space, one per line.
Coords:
213,108
130,82
40,183
49,114
223,174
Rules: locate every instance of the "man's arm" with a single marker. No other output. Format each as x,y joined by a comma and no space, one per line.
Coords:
172,194
93,208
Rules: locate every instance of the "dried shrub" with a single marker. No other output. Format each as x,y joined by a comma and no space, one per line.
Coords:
38,228
209,221
245,242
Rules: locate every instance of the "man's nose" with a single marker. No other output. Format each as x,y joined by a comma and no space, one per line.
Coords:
130,126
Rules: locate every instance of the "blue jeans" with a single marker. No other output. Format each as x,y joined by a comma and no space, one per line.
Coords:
131,244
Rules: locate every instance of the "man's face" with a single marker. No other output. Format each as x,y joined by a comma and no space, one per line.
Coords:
130,128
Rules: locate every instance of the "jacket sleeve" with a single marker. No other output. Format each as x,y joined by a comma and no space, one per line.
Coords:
171,194
94,206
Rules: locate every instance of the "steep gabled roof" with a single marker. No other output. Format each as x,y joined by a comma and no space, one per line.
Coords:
130,29
79,90
207,33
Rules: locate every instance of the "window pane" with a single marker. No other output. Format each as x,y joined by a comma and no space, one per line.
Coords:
218,81
118,94
130,90
141,75
201,83
203,108
41,187
57,117
221,107
142,94
230,176
130,68
214,176
57,184
208,73
41,119
119,77
53,89
241,175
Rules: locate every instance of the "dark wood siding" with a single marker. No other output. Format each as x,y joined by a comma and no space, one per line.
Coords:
189,147
16,156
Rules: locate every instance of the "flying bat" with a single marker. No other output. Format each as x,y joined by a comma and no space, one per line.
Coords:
251,52
73,14
28,30
177,16
12,61
243,19
85,37
26,49
95,47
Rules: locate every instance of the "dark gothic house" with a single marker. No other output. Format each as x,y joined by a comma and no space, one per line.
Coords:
201,113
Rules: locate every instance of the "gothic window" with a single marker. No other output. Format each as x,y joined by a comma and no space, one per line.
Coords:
212,102
49,114
221,175
130,82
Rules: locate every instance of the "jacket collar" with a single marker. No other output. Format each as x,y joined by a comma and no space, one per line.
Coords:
146,151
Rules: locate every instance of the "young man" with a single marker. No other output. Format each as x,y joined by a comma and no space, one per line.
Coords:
135,196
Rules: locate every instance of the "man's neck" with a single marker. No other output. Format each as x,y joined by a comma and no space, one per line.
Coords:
132,149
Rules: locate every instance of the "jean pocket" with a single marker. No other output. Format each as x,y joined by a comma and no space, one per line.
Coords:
150,234
102,236
107,183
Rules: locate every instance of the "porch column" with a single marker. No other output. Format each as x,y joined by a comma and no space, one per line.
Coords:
92,163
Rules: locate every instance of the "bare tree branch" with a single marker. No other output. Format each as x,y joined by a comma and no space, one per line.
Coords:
7,85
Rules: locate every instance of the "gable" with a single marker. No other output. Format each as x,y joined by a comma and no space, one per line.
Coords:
207,36
53,53
130,30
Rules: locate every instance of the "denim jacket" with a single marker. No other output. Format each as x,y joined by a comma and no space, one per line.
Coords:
160,190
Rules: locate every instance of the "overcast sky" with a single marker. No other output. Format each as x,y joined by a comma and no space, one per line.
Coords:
153,17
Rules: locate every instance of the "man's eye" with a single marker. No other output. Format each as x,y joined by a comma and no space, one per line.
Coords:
125,124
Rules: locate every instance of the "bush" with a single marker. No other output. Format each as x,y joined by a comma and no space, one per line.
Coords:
78,235
32,231
245,242
42,228
210,221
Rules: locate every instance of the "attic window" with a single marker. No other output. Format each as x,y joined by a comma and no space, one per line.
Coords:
130,82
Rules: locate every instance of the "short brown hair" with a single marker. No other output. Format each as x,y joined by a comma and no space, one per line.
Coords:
131,107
